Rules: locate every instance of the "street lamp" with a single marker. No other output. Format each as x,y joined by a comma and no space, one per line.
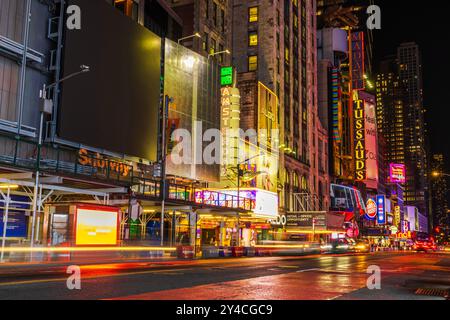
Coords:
195,35
47,107
437,174
217,53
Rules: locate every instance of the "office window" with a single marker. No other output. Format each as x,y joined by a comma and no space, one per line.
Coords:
253,14
222,19
221,49
252,63
253,39
215,13
213,47
205,42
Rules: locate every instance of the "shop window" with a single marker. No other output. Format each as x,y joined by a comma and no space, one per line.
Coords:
252,63
253,14
253,39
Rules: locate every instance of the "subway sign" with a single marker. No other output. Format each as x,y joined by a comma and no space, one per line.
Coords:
360,146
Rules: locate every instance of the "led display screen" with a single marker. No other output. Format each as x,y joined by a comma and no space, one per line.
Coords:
96,226
397,173
115,106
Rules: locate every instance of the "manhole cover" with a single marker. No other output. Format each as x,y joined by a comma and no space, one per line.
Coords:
432,292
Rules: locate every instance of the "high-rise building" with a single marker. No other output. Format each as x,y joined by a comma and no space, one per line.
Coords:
211,20
156,15
274,43
390,115
439,193
410,76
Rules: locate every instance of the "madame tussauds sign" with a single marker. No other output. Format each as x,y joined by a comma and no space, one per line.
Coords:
360,147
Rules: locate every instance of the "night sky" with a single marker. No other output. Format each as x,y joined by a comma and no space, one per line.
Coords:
427,24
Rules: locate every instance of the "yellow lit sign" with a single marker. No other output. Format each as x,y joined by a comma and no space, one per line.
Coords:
96,225
360,148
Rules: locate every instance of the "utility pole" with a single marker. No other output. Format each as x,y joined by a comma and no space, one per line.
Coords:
167,102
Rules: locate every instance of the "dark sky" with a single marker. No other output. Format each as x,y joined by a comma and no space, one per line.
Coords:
428,24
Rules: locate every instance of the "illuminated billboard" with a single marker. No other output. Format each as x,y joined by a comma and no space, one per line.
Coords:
370,140
193,82
357,55
397,173
96,225
381,209
360,143
226,76
115,106
263,203
371,206
267,116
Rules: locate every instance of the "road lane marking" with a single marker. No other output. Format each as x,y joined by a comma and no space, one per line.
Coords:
167,272
307,270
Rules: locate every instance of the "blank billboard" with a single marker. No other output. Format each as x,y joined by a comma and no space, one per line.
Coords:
115,106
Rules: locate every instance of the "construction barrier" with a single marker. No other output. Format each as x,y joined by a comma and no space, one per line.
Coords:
249,251
237,251
224,252
210,252
185,252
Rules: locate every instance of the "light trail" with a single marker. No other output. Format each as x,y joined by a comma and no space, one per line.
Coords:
86,249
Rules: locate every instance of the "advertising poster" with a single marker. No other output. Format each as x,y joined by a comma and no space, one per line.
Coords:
96,225
371,143
17,219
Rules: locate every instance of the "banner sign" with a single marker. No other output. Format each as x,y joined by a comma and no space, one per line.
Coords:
381,209
306,219
357,60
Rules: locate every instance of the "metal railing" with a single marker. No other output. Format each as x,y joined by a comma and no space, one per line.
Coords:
56,159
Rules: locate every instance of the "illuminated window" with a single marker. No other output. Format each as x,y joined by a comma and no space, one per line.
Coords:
252,39
252,63
253,14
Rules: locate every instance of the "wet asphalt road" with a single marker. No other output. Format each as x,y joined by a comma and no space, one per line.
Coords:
321,277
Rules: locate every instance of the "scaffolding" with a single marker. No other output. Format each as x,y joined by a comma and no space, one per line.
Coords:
38,196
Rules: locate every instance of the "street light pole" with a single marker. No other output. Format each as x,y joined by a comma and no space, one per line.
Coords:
46,107
167,101
239,189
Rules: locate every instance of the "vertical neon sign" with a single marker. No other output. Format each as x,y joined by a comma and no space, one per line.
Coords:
381,210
